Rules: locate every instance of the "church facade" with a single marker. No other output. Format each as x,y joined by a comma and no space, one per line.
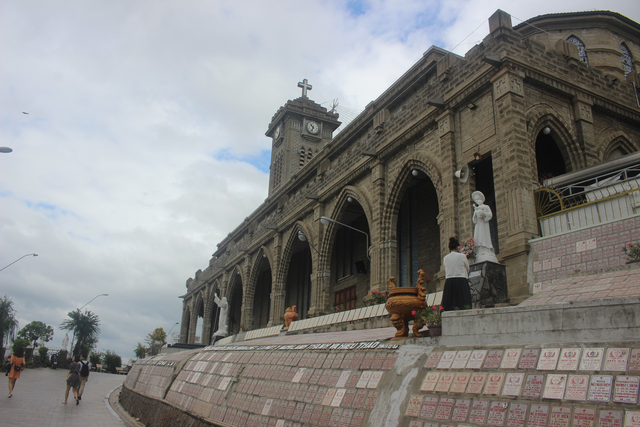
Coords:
553,95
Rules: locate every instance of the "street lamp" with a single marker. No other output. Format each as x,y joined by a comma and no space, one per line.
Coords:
6,149
324,220
101,295
18,260
169,334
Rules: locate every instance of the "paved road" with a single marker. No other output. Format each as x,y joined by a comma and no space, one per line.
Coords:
38,395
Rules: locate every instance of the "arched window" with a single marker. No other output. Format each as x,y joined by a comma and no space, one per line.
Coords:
627,60
582,51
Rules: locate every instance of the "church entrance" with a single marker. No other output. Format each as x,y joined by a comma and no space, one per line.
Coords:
262,295
235,306
298,288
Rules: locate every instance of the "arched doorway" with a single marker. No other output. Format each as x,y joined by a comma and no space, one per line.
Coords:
199,339
550,159
235,305
298,283
262,295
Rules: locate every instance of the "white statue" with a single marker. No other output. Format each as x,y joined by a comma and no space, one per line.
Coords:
65,341
222,319
482,234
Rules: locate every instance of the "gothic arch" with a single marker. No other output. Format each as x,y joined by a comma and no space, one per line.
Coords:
249,295
185,326
611,139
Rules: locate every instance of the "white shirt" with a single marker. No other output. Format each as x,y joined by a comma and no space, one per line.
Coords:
456,265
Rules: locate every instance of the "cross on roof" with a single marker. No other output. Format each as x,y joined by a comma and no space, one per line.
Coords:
304,84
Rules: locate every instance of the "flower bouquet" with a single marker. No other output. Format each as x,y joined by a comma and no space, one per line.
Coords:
430,316
467,248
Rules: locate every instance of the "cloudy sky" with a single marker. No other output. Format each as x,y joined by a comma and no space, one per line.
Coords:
144,141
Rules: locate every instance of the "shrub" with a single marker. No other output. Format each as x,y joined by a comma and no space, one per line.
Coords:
112,360
95,358
43,356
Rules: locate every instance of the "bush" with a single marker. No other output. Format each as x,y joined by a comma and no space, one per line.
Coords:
95,358
112,360
43,356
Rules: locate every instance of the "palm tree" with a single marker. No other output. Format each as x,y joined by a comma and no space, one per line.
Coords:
8,323
85,327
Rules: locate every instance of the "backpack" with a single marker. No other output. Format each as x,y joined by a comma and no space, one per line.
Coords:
84,370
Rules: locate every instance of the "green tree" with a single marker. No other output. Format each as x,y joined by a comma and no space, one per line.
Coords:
35,331
8,323
112,360
95,358
43,355
158,334
85,327
140,351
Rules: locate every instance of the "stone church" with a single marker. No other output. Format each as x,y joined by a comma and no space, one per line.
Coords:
551,96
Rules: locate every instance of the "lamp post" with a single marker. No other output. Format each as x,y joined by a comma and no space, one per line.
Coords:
169,334
17,260
101,295
325,221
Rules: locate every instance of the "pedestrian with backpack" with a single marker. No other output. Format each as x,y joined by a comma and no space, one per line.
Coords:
85,368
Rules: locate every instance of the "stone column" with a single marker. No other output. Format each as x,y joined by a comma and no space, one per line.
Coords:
193,325
447,219
584,124
206,319
278,285
246,311
382,261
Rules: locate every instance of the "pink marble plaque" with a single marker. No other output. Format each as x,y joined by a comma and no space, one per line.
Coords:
510,358
548,359
349,396
560,416
476,382
375,379
353,379
584,417
591,359
433,360
634,360
577,386
512,384
461,359
370,402
333,379
328,397
626,389
342,381
529,358
494,383
444,382
460,382
538,416
358,418
358,401
329,360
345,419
429,406
415,423
337,362
337,398
320,394
414,405
610,418
389,361
494,357
367,361
517,414
430,381
326,416
616,359
298,375
569,359
632,419
600,388
378,361
445,406
446,360
364,379
428,424
554,389
497,413
476,359
478,411
461,410
267,407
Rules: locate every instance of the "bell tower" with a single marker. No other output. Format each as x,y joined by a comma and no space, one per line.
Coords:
299,129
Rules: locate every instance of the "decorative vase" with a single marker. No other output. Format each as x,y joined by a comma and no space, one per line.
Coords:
402,301
290,315
435,330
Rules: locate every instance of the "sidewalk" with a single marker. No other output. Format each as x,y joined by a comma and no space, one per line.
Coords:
38,395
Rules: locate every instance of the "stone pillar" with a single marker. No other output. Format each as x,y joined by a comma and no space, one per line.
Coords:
277,307
193,325
206,319
246,311
278,284
448,218
584,125
382,260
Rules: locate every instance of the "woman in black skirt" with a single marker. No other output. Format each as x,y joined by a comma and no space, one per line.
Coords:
456,295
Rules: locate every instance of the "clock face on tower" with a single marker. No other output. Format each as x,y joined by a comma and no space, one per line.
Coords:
313,128
276,135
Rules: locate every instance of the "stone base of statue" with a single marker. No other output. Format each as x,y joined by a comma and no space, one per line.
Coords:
63,361
488,283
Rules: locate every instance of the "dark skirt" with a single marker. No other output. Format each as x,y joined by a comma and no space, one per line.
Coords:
456,294
74,380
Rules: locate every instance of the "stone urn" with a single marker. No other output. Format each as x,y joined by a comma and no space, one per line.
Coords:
402,301
290,315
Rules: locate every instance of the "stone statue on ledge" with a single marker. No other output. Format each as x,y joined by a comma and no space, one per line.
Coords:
223,318
482,234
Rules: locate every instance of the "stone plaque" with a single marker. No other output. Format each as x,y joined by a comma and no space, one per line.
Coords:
569,359
430,381
610,418
433,360
342,381
626,389
367,361
577,386
358,401
429,406
538,416
497,413
616,359
415,423
345,419
349,396
533,386
322,392
326,416
370,402
600,388
414,405
328,397
512,384
632,419
494,357
389,361
460,382
355,363
634,360
510,358
494,383
444,382
476,382
267,407
445,406
476,359
364,379
517,414
446,360
461,410
358,419
554,388
333,379
478,411
375,379
337,398
591,359
298,375
461,359
428,424
353,379
548,359
560,416
584,417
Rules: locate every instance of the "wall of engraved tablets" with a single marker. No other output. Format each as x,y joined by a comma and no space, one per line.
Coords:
594,385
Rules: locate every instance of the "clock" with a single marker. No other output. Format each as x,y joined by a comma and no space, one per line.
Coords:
276,135
313,128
